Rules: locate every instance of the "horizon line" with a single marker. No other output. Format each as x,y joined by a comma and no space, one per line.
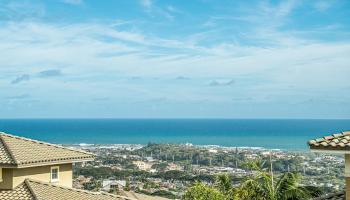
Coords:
163,118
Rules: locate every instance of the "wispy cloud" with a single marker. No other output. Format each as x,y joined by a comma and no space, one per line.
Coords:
50,73
22,78
215,83
18,97
146,3
43,74
19,10
158,11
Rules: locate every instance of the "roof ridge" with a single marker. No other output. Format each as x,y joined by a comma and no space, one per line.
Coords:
28,180
7,148
30,189
45,143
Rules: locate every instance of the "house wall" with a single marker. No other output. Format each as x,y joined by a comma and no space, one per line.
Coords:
41,173
7,180
347,176
347,188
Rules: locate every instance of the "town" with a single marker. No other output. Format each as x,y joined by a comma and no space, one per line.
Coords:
166,170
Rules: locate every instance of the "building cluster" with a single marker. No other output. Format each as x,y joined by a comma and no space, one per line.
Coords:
31,169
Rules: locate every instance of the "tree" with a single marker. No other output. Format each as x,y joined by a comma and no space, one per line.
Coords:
223,183
127,185
199,191
261,187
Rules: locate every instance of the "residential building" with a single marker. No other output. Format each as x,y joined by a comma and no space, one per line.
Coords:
141,165
35,170
337,143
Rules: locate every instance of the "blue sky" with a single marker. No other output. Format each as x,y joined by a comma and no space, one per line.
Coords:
174,59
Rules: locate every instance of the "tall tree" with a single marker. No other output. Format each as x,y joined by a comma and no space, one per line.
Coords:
199,191
261,187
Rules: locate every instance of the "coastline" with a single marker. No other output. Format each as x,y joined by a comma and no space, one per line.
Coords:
207,147
265,133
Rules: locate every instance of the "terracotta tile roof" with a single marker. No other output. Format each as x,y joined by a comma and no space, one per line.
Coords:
335,196
23,152
5,157
46,191
36,190
338,141
21,192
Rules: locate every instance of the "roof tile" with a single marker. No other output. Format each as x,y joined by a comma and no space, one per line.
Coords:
36,190
338,141
328,137
44,191
15,150
21,192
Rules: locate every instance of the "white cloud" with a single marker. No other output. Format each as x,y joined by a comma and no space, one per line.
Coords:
146,3
15,10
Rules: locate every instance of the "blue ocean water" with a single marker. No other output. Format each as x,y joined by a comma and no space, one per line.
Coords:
268,133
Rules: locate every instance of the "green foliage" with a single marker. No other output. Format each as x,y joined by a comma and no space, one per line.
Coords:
127,185
259,187
163,193
160,166
262,187
199,191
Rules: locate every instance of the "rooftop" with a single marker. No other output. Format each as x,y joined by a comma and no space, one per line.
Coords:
14,152
335,142
335,196
36,190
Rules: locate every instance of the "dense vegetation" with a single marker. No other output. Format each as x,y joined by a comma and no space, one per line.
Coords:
261,186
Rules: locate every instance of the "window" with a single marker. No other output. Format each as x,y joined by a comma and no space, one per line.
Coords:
54,174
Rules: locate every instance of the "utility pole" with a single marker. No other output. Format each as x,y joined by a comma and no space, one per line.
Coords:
271,172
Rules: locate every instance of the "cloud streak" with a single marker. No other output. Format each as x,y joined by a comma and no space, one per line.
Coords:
146,3
19,79
50,73
19,97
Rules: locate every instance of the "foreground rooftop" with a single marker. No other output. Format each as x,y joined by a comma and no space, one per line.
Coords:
19,152
36,190
335,142
335,196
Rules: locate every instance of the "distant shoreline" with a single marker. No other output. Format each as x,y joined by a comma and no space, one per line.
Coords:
86,145
253,133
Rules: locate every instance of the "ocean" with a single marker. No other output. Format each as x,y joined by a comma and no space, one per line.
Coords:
267,133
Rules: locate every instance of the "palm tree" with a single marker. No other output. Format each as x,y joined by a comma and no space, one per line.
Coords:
262,187
223,183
